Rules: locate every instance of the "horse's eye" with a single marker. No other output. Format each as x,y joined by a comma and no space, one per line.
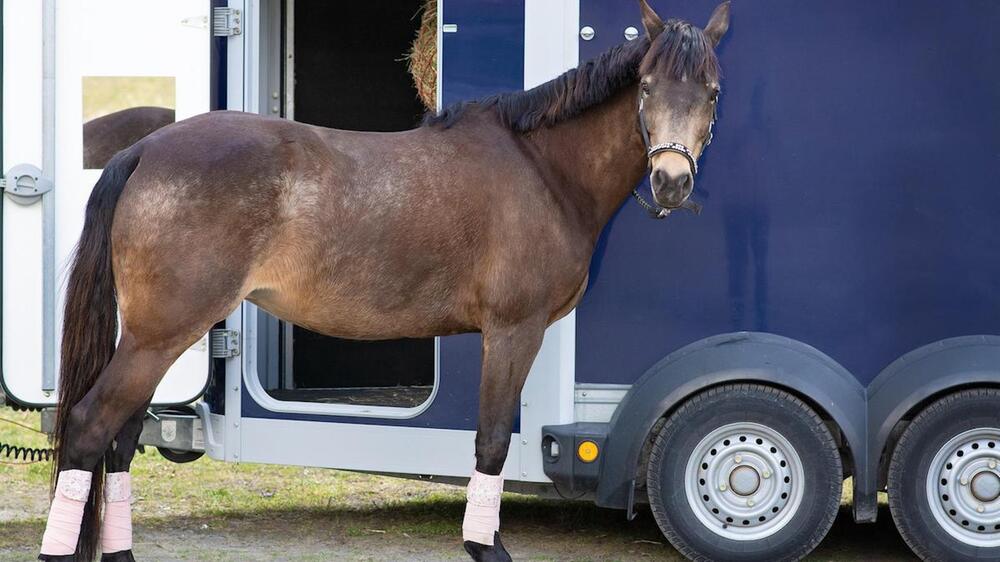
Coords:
645,89
715,96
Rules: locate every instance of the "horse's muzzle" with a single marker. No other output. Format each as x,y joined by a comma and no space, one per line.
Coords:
671,191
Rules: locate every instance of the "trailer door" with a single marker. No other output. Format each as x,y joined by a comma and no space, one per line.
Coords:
80,81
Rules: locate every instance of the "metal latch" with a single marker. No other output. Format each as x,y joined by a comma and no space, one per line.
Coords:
226,22
225,343
25,184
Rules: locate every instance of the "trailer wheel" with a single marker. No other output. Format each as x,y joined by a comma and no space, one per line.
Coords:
744,472
944,479
180,457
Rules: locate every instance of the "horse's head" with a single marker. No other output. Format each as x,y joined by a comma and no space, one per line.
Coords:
678,92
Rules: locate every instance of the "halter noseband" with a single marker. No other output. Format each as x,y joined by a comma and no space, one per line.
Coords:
656,211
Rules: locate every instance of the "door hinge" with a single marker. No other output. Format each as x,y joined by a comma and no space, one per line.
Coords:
226,22
197,22
225,343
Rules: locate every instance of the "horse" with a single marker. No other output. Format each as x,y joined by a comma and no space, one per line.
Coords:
482,219
105,136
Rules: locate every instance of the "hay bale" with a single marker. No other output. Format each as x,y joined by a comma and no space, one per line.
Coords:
422,58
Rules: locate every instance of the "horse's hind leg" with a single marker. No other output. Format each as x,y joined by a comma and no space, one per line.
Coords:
116,528
113,407
507,356
124,386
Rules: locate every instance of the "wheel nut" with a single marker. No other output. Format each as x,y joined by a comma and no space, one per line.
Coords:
737,459
749,503
722,487
980,508
766,474
965,481
993,464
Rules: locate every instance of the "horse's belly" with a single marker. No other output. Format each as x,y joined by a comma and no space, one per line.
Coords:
358,318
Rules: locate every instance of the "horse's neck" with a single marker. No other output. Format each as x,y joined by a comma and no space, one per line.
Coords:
599,154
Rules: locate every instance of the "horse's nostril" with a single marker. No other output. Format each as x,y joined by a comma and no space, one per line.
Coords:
659,178
668,185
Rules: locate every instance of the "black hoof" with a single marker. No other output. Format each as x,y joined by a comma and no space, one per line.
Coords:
120,556
485,553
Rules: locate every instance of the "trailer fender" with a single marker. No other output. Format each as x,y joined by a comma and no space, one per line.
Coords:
735,357
924,373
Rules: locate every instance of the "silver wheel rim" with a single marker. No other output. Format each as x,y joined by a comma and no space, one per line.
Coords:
744,481
963,487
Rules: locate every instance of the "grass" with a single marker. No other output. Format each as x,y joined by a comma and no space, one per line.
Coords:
230,490
106,94
222,511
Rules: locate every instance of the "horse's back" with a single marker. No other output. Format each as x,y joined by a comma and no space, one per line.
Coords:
363,235
200,207
222,163
318,226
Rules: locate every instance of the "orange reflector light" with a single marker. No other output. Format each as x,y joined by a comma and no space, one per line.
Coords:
587,451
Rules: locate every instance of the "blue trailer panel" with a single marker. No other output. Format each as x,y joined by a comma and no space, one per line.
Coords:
850,191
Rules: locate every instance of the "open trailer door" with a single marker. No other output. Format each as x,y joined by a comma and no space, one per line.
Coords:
82,80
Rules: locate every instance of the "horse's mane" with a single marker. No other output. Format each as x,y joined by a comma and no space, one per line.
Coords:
682,49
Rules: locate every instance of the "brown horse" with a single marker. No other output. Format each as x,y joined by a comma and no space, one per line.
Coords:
105,136
483,219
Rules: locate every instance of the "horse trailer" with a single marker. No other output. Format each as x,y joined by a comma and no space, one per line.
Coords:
834,312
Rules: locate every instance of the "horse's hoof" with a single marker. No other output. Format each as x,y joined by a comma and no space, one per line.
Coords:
486,553
120,556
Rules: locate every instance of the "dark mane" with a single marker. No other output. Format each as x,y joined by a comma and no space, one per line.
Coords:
681,50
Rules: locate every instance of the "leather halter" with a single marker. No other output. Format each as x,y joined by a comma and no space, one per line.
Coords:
656,211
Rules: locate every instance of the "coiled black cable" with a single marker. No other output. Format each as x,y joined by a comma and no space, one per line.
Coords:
24,454
29,454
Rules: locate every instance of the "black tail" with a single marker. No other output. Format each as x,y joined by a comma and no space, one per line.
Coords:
90,326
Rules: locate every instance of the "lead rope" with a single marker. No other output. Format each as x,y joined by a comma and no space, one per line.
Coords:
656,212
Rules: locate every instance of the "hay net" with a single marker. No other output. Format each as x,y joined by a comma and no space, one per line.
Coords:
422,58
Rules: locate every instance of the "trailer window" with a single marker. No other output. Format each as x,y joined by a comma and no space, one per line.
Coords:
120,110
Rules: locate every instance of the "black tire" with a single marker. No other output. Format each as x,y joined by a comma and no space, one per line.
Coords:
716,408
180,457
930,432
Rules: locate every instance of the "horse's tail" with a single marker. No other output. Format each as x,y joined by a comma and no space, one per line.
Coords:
90,327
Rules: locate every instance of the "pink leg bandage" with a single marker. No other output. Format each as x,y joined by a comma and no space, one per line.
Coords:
66,513
482,508
116,529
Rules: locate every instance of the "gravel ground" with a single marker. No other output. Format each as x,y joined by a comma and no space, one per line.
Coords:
315,536
209,510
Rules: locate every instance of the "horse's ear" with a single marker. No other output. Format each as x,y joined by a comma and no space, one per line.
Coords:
650,21
718,24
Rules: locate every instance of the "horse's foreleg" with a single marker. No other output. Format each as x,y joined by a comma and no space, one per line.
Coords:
116,528
507,356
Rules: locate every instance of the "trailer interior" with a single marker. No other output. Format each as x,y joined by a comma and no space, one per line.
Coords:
342,65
